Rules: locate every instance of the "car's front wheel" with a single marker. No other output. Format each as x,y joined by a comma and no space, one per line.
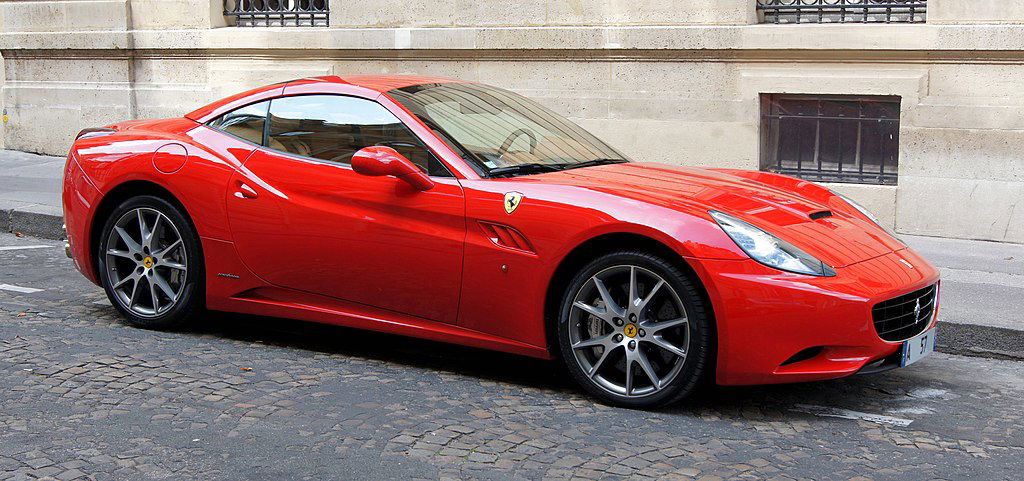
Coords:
634,331
150,263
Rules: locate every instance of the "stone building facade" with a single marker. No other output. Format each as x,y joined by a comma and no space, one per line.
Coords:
932,97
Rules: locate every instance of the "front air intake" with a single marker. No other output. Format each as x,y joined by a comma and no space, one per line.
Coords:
809,353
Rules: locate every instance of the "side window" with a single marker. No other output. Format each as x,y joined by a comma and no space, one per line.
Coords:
334,127
244,123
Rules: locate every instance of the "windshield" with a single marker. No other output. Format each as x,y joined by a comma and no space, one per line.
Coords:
502,132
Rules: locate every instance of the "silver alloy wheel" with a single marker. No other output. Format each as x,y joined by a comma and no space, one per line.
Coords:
146,262
629,331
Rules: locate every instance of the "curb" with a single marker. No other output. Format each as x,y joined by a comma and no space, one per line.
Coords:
980,341
47,226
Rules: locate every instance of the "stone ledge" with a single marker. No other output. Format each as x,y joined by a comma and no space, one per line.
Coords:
618,39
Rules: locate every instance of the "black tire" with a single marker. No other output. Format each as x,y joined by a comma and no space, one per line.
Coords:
190,291
683,376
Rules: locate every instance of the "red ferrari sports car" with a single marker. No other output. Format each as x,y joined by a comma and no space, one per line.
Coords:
464,213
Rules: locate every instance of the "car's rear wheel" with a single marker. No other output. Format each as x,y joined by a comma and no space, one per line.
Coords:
150,263
634,331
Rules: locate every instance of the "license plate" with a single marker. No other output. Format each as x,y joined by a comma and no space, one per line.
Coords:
918,347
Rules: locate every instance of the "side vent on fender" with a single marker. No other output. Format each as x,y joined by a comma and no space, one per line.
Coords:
506,236
821,214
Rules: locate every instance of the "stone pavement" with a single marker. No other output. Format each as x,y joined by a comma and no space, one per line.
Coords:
983,282
239,397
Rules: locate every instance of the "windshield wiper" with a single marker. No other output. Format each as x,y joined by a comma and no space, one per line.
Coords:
591,163
530,168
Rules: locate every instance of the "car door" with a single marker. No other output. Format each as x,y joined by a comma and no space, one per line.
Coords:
301,218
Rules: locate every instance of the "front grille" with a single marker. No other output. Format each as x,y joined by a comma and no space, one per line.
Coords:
906,316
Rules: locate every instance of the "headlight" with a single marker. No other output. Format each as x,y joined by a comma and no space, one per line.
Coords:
867,213
768,249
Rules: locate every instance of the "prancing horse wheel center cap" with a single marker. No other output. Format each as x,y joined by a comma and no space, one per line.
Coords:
148,262
629,330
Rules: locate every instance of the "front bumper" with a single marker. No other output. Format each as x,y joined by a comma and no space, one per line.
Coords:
887,363
776,327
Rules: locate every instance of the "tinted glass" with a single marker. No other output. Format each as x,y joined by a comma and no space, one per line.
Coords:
334,127
497,128
246,122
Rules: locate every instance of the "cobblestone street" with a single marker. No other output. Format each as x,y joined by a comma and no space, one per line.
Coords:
238,397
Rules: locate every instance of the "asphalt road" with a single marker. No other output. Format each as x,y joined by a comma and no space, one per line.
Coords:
237,397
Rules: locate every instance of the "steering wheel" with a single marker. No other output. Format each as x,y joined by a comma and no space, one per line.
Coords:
396,143
507,144
418,161
345,158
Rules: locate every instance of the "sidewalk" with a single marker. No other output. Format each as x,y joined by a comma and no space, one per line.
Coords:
982,299
30,194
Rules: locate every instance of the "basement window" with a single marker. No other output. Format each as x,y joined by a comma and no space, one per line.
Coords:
831,138
842,11
277,13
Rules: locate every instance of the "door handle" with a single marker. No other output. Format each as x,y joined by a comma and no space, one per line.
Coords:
245,192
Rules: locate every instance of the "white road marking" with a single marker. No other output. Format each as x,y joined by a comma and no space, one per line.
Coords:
833,412
15,248
23,290
927,393
911,410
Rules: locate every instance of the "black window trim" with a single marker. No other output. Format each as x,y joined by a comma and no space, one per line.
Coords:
263,139
266,131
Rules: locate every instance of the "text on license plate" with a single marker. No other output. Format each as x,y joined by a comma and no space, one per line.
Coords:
918,347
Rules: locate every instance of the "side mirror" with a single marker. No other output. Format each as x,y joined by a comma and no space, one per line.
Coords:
379,160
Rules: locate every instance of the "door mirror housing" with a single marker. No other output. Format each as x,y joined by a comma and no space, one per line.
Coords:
379,160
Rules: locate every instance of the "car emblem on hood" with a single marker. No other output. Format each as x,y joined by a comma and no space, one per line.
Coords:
512,200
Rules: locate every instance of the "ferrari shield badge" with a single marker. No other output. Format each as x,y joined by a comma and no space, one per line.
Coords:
512,200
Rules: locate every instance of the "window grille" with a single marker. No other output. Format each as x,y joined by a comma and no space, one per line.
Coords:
277,13
835,138
843,11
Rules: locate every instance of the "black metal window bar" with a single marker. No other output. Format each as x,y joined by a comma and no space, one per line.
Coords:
843,11
277,13
835,138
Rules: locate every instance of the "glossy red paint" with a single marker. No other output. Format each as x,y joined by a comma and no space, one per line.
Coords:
169,158
378,161
321,228
289,236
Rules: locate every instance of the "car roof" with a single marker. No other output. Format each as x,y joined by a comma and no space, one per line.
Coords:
376,83
380,83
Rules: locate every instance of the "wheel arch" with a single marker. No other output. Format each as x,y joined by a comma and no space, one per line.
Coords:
605,243
115,197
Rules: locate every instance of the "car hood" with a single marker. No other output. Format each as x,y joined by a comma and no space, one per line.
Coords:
839,239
